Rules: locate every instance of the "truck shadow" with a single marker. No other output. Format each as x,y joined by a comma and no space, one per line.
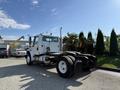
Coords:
39,77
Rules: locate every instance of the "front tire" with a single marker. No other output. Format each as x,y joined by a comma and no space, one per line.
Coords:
28,59
65,67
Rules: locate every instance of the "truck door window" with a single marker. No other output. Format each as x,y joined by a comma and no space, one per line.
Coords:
35,41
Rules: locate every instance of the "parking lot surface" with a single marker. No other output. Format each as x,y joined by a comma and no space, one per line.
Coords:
16,75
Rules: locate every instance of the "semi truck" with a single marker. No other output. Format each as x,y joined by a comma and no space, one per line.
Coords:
4,50
46,49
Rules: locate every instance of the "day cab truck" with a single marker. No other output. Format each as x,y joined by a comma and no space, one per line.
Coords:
4,50
46,49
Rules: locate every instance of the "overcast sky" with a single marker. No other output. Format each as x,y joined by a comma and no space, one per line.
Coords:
23,17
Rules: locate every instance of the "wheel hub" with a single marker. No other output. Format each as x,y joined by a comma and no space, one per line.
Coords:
62,66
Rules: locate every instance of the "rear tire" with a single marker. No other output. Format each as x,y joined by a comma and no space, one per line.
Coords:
65,67
72,58
28,59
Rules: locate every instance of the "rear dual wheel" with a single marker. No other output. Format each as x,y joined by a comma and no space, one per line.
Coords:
65,67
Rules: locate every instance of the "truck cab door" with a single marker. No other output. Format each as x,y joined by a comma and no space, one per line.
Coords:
35,46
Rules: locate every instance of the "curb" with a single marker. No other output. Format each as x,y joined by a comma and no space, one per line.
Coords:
109,69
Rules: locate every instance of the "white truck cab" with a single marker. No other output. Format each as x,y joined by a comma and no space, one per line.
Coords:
41,45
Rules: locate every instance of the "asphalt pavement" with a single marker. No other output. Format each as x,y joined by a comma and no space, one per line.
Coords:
16,75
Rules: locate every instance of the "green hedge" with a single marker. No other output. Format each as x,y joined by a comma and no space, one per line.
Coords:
109,62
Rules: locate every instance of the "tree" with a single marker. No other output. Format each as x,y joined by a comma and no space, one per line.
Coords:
113,44
70,41
82,43
90,42
118,38
99,49
107,43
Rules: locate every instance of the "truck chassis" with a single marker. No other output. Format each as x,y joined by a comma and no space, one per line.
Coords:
66,62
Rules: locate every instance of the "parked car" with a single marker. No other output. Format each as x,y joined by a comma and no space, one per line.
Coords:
18,52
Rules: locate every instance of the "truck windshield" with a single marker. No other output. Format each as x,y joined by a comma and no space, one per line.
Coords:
2,45
50,39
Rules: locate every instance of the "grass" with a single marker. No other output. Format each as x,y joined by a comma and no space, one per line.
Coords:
109,62
109,66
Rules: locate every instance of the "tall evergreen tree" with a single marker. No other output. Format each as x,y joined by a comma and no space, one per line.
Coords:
82,43
113,44
89,36
90,42
99,49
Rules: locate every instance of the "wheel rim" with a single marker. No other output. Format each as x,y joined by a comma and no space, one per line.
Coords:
62,66
28,59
